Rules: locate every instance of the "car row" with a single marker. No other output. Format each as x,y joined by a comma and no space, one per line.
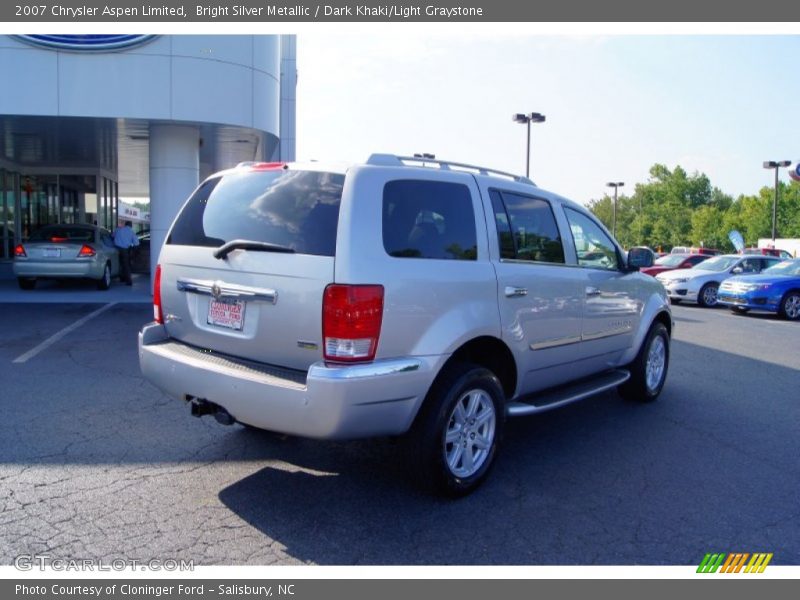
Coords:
741,281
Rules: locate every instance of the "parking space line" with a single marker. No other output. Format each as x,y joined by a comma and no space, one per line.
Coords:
22,358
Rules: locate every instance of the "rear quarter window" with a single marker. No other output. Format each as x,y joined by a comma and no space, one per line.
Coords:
297,209
429,219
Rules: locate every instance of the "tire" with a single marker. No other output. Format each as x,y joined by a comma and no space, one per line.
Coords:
790,306
707,297
26,283
674,300
105,281
649,368
739,310
465,404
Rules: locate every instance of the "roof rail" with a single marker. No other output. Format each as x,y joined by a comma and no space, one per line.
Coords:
392,160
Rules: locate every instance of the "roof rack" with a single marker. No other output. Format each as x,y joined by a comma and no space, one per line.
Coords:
392,160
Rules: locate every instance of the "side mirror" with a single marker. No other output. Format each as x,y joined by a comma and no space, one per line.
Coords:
737,270
640,258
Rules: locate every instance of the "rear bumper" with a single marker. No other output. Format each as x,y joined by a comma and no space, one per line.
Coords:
79,269
331,402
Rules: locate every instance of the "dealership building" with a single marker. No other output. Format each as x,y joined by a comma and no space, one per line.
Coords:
88,119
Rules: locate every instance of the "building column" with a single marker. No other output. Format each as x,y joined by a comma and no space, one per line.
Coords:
174,173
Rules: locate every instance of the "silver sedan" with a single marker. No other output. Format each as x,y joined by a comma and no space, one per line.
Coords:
67,252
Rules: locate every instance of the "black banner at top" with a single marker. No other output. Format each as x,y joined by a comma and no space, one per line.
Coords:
266,11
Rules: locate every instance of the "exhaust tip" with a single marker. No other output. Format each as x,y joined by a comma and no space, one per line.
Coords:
200,408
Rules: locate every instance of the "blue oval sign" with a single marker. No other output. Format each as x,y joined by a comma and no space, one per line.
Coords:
86,43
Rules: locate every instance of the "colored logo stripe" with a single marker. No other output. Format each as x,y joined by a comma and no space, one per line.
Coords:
710,563
734,562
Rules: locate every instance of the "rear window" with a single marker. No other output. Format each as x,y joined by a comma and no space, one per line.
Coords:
298,209
63,234
429,219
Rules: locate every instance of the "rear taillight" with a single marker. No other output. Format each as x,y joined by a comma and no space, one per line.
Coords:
158,314
86,251
19,250
351,322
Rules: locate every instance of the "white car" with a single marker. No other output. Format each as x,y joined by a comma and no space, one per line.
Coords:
701,282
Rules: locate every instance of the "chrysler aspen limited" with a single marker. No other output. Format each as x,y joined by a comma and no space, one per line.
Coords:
398,297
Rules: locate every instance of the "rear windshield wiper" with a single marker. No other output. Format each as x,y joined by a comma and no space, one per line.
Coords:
228,247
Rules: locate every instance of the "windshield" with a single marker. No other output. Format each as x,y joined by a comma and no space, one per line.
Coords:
718,263
789,267
670,260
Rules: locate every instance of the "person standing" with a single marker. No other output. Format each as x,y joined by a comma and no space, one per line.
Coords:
124,240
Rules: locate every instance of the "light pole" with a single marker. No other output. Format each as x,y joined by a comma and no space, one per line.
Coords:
775,164
533,117
616,185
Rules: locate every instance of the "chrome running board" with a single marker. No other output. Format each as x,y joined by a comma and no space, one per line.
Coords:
550,399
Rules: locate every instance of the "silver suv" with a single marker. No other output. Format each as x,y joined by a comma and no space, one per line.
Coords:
398,297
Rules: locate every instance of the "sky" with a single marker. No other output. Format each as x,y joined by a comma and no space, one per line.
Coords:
615,104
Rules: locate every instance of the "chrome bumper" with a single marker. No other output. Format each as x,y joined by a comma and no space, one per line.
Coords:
331,402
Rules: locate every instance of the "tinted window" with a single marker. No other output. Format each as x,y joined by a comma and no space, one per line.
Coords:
751,265
504,236
298,209
428,219
696,260
592,245
63,233
526,228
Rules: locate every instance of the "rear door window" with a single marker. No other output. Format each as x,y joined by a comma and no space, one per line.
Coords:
526,228
429,219
296,209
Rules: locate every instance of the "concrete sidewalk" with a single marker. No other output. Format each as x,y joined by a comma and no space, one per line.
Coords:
66,291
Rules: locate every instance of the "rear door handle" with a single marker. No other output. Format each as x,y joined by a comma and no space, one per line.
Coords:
515,292
592,291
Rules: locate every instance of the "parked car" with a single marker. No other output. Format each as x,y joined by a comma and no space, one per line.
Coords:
66,252
701,283
783,254
776,290
671,262
695,250
392,298
140,255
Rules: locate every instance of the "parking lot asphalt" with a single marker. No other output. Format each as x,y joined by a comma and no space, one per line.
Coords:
96,463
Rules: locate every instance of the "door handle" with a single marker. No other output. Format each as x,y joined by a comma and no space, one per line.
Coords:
515,292
593,291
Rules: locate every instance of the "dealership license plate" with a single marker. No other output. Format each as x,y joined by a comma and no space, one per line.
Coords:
227,313
52,252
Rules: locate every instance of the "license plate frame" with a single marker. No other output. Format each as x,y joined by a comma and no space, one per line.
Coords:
226,313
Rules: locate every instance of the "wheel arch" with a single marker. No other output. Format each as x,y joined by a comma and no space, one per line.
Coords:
484,351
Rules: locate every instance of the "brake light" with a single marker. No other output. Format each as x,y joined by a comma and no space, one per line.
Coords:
158,314
351,322
57,239
267,166
19,250
86,250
